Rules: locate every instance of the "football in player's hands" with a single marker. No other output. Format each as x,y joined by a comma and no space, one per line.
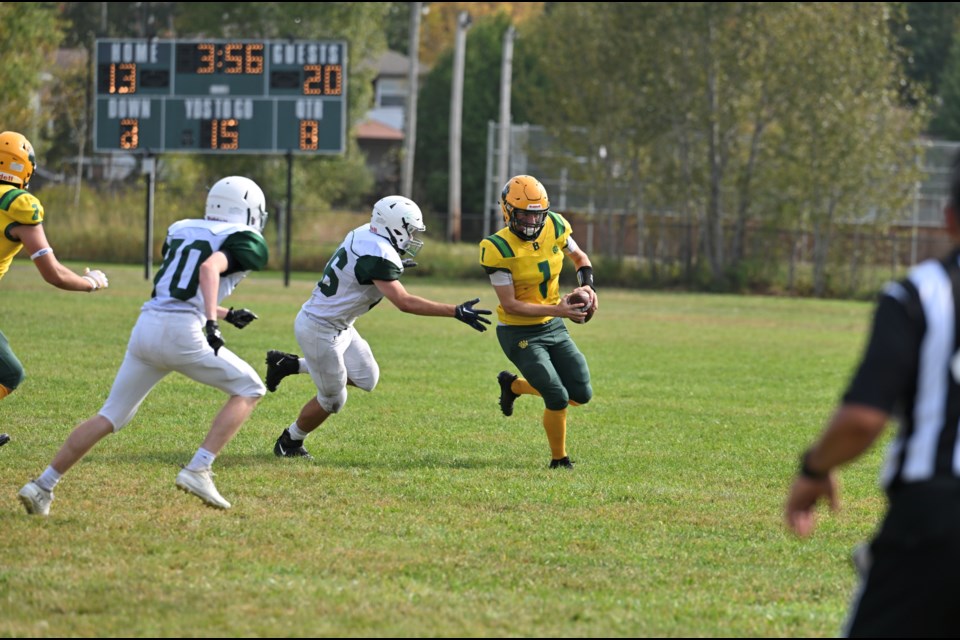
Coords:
582,299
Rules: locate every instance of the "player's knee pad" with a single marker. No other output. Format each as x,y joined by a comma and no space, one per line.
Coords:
121,422
119,409
581,394
365,383
366,378
333,404
555,398
11,375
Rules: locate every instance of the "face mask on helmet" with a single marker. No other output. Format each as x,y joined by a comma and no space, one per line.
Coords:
239,200
524,204
17,160
399,220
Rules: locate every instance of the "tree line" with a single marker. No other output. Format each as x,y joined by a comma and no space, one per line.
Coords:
732,116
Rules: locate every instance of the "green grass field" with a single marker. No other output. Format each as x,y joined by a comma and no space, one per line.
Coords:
426,512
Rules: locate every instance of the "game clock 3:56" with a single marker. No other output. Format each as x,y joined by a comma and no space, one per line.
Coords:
220,96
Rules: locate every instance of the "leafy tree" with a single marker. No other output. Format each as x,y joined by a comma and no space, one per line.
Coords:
68,129
848,147
946,121
89,20
481,104
704,107
439,25
925,34
397,27
29,38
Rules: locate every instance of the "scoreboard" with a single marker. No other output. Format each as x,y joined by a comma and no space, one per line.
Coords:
220,96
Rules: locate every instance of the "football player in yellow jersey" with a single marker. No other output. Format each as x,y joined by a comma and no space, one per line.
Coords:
523,261
21,215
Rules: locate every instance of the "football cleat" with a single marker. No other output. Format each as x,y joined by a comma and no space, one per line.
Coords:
507,396
287,447
200,484
35,499
279,366
563,463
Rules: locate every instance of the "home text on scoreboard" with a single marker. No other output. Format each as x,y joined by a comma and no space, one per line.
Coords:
220,96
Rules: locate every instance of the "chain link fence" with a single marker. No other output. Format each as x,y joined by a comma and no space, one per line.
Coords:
662,245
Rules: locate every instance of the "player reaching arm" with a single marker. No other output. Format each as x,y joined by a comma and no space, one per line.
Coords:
365,269
21,227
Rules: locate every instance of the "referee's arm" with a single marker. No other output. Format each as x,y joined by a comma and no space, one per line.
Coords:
887,368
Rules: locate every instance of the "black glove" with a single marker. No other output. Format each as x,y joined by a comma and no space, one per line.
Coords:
214,339
466,313
240,318
408,263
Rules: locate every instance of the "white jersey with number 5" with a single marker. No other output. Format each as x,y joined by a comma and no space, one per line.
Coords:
346,290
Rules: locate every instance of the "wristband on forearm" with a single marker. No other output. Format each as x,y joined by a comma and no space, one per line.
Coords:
809,473
585,277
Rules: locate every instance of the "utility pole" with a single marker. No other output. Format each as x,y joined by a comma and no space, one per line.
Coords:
456,125
506,80
413,88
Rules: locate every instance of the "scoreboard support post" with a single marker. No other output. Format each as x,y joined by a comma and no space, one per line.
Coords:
150,171
288,222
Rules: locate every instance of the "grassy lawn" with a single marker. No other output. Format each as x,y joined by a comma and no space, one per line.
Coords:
426,512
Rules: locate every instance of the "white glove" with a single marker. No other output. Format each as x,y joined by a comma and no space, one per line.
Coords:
96,277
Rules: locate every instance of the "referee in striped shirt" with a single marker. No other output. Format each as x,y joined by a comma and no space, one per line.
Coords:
910,572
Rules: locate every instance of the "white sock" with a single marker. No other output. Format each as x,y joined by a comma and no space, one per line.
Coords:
303,366
295,433
48,479
202,459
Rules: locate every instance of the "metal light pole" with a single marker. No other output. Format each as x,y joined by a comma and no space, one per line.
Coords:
413,87
503,158
456,125
506,79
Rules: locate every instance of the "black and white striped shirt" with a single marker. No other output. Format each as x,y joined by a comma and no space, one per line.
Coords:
911,369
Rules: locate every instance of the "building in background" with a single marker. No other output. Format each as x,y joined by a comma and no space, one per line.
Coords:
380,135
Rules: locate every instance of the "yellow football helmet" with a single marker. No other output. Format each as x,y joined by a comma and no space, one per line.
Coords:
524,195
17,160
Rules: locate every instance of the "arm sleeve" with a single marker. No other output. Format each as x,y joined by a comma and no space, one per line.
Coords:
246,251
890,362
370,268
492,256
571,245
22,206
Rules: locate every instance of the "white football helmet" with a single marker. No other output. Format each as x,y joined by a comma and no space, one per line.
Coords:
239,200
399,220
